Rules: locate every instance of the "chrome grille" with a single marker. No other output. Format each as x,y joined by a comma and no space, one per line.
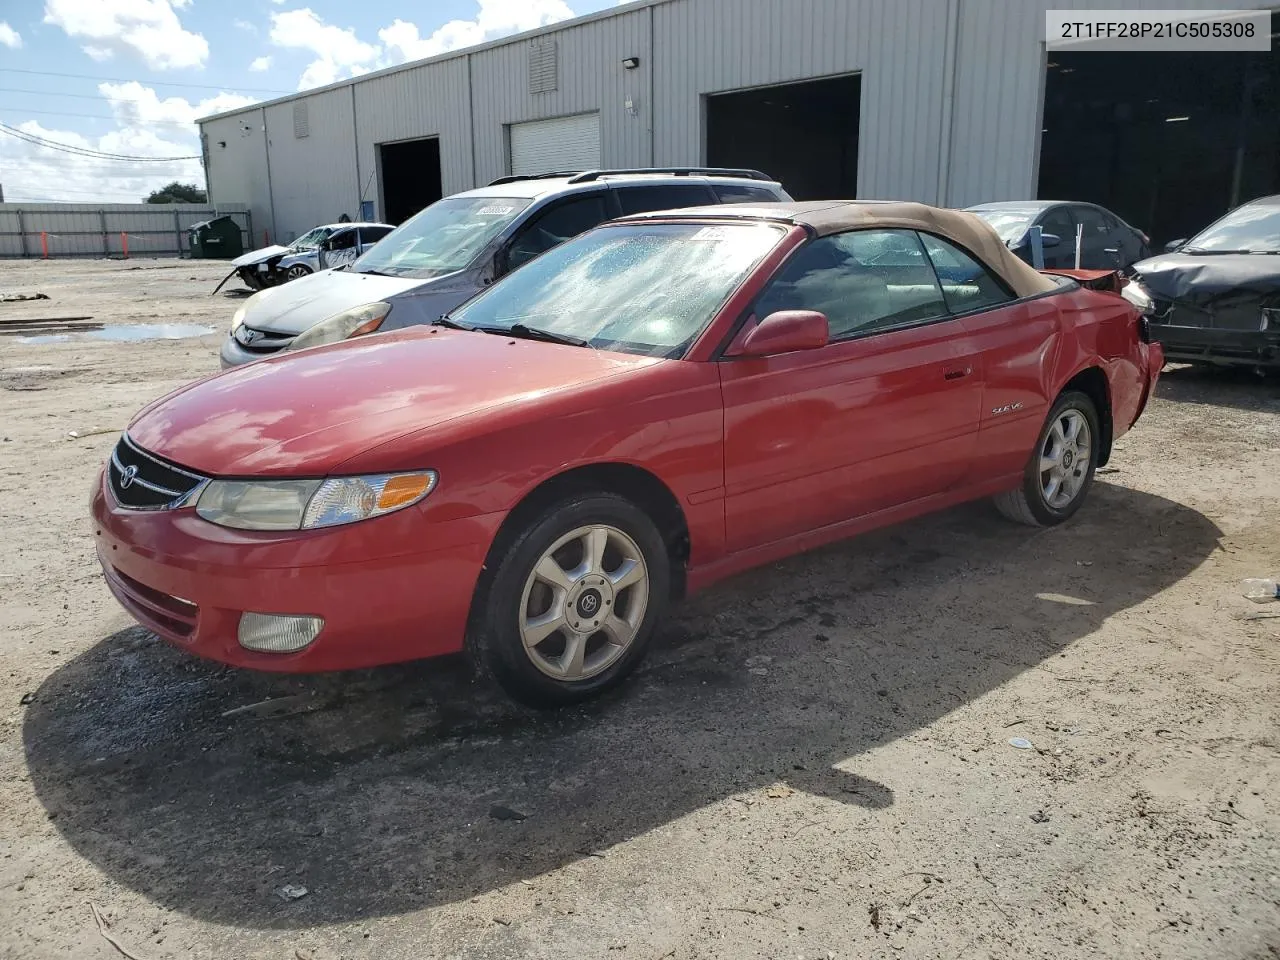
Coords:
142,481
262,341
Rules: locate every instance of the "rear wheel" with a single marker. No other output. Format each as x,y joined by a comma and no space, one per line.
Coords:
574,601
1060,470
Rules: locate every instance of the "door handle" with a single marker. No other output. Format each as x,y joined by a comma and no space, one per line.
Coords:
957,373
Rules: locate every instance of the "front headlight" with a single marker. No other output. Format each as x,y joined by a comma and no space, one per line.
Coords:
307,504
350,323
1135,294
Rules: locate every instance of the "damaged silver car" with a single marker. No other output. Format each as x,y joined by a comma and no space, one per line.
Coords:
320,248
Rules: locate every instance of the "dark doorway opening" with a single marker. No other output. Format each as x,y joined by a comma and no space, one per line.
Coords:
410,177
803,134
1169,141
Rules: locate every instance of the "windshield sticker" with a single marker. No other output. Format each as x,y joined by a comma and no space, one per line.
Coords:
711,233
494,210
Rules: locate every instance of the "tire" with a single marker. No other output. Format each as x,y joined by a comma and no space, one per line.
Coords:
297,271
1039,502
547,580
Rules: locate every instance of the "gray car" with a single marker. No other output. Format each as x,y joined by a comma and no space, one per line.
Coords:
457,246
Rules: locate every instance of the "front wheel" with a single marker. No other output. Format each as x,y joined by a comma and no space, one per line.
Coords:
574,601
296,271
1060,470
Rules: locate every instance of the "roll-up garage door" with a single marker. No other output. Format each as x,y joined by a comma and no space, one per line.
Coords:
548,146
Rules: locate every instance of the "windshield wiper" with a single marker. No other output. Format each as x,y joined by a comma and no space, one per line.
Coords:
547,336
445,321
375,273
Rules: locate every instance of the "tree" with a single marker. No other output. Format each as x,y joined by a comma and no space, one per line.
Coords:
178,193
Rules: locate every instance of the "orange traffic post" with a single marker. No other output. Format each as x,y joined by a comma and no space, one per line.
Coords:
44,244
124,244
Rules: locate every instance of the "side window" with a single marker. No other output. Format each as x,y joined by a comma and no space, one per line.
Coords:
555,225
1058,222
1095,224
342,240
966,283
863,281
661,197
743,193
371,235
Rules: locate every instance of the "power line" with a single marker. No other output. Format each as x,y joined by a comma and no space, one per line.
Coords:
97,116
78,96
150,83
34,140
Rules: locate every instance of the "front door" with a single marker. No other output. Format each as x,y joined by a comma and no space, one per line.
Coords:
884,414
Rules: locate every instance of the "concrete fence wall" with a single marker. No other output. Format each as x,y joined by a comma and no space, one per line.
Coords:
104,229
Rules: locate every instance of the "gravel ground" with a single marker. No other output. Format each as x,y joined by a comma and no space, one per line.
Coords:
813,763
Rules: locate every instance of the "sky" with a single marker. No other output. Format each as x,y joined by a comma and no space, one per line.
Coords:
129,77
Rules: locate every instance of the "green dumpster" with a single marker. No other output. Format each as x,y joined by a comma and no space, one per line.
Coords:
216,239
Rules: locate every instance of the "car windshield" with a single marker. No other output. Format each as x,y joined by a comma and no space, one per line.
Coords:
636,288
310,240
1253,229
441,239
1010,224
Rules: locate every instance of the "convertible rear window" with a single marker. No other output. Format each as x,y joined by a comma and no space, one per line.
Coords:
636,288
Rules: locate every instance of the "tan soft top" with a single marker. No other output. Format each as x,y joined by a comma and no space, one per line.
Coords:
836,216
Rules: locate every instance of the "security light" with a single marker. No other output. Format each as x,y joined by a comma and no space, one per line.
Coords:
631,62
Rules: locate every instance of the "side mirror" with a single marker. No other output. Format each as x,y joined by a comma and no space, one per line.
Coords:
1173,245
786,331
1050,239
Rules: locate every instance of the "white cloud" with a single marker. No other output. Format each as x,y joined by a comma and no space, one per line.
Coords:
147,125
149,29
244,25
339,52
9,37
496,18
259,64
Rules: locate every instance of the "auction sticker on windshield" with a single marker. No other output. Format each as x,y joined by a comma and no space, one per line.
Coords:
495,210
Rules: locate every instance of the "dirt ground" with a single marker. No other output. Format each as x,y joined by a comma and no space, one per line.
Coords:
814,762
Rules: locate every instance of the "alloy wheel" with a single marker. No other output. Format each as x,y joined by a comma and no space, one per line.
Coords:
1064,459
584,602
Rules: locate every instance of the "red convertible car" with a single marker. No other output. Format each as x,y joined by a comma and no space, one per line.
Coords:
638,413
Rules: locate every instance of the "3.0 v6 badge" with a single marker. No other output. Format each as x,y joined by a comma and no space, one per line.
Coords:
1007,408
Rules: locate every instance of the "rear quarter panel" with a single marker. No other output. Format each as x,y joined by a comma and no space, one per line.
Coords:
1101,330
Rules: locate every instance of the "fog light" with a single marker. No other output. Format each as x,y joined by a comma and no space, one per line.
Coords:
270,633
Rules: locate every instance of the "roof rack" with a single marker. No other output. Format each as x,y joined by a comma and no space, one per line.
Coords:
533,176
589,175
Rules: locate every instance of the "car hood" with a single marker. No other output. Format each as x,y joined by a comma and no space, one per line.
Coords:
257,256
304,414
301,304
1213,279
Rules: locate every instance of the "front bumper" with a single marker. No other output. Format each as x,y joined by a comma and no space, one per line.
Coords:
382,597
234,353
1256,348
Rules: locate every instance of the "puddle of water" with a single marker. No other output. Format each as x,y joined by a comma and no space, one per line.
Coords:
125,333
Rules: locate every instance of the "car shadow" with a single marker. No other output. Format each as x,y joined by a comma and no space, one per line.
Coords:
391,790
1237,387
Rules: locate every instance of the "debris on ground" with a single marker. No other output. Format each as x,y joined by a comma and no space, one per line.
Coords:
103,927
778,791
1039,817
21,297
276,707
1261,590
1022,743
27,698
292,891
499,812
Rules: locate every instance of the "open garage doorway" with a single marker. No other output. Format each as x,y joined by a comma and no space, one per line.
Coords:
409,174
804,134
1169,141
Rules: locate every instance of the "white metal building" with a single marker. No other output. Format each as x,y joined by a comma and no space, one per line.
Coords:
942,101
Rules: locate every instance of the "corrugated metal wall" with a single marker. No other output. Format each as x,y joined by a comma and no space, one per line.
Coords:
430,101
950,112
93,230
237,167
591,78
313,178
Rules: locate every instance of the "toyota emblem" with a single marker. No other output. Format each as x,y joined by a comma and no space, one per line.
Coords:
127,475
249,336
